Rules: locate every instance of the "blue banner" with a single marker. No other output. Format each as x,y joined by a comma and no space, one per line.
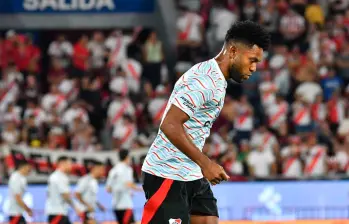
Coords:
76,6
236,201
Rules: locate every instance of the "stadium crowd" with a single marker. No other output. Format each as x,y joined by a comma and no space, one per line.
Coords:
108,91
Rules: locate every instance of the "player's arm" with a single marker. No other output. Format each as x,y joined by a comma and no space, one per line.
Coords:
21,203
100,206
64,190
109,181
172,127
16,189
80,189
130,182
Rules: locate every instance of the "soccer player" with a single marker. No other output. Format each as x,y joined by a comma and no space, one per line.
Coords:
17,186
87,190
58,193
120,184
177,175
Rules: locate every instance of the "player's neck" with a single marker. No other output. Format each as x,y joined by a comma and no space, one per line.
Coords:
223,62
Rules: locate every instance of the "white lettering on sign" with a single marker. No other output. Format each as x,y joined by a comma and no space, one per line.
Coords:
66,5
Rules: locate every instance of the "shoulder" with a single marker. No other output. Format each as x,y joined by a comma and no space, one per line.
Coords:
203,75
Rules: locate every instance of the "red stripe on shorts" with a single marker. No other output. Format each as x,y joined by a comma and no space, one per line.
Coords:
155,201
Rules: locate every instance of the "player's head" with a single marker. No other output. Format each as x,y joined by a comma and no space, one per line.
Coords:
24,167
64,164
98,169
124,156
244,45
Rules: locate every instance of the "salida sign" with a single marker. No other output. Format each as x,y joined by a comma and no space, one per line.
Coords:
76,6
44,161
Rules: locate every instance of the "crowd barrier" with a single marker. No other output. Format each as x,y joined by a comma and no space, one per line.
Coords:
253,202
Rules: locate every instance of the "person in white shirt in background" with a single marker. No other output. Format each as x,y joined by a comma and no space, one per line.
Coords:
86,193
117,44
158,104
120,184
217,30
292,166
98,50
125,133
315,157
17,186
62,50
261,162
58,193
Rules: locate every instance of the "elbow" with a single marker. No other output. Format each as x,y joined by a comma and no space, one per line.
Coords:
167,126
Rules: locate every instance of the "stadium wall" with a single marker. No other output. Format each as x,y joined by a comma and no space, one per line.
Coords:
251,202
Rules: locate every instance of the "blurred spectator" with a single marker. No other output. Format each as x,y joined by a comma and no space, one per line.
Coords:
336,111
261,162
249,11
292,28
97,50
330,84
292,166
243,120
277,113
153,57
117,44
133,70
54,101
81,56
216,32
190,34
10,135
62,50
125,133
315,157
32,133
157,105
301,115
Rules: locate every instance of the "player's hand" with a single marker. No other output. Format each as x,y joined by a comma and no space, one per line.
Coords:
214,173
102,208
89,208
77,211
30,212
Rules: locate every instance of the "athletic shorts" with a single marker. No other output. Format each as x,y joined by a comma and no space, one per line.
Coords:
16,220
87,216
124,216
171,201
58,219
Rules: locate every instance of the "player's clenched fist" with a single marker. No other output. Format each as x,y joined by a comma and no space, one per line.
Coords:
214,173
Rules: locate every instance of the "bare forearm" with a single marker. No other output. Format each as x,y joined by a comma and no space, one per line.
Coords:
21,203
68,200
78,196
182,142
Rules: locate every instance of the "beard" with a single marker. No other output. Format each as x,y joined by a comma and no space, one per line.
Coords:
235,75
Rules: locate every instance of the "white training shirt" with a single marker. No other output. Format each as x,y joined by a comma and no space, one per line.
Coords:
58,184
87,186
118,177
17,185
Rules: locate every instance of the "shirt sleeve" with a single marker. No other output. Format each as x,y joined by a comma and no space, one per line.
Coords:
110,178
15,186
63,186
194,94
81,186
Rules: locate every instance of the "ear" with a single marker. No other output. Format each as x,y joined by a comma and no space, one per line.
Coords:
232,51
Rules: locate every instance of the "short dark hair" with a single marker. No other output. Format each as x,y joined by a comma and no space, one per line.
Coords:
22,163
123,154
250,33
62,159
